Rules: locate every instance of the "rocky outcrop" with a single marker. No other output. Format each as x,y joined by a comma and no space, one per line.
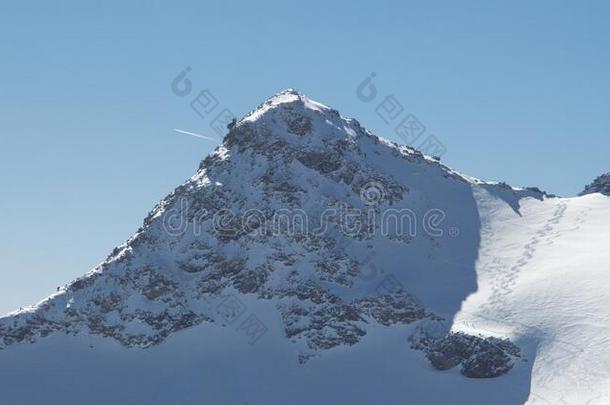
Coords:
477,356
600,185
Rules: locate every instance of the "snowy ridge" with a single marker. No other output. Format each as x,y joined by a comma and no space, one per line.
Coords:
285,235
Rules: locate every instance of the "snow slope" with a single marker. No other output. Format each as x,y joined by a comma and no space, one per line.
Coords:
333,311
543,278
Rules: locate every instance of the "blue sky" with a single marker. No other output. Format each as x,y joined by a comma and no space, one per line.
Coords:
516,91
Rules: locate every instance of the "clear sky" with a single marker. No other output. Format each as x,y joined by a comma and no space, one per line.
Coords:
515,91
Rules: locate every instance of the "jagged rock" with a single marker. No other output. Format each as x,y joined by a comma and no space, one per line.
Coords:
299,125
600,185
323,162
479,356
324,325
390,309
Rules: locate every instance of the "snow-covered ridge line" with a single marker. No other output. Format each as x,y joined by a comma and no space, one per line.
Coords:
510,263
261,116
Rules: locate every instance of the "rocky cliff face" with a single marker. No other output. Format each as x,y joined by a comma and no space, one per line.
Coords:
600,185
298,206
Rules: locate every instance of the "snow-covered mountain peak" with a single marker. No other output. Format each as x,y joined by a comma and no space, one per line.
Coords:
288,99
221,233
335,232
322,243
295,118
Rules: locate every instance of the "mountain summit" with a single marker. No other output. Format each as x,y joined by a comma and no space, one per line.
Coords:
308,252
267,215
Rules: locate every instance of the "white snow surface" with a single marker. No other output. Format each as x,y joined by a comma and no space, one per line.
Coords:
510,263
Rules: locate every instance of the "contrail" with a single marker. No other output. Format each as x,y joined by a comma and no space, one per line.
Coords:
196,135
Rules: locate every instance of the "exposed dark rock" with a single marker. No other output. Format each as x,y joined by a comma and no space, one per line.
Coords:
339,269
600,185
250,281
479,356
322,326
323,162
390,309
299,125
158,286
